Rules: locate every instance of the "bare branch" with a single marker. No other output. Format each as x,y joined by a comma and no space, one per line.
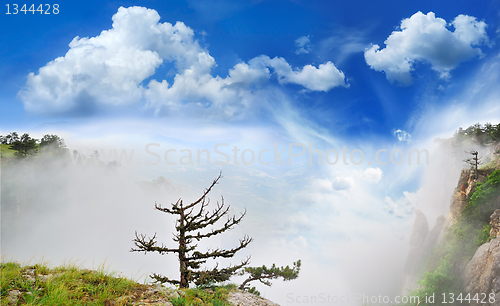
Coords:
206,192
221,253
145,244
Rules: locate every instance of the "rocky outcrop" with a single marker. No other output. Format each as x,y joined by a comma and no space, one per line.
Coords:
143,295
465,188
242,298
463,192
417,238
482,274
422,242
432,239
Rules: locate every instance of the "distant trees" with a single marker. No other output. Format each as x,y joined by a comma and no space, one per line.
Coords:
53,141
27,146
10,138
480,134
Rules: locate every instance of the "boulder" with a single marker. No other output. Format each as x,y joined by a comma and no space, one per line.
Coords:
243,298
482,274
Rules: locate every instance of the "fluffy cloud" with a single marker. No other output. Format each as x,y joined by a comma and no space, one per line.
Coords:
373,175
323,78
109,70
402,135
426,38
302,44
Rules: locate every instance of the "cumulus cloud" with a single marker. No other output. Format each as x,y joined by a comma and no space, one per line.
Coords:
426,38
323,78
373,175
402,135
302,44
109,70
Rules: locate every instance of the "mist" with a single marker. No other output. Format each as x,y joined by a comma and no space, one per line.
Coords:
335,219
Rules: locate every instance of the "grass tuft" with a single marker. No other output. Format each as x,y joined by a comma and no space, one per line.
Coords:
71,285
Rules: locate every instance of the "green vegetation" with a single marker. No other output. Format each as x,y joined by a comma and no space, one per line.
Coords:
40,285
14,146
6,151
263,273
213,295
478,134
460,243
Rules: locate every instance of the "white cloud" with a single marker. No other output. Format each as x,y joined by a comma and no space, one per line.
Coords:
372,175
343,183
403,207
402,135
109,70
426,38
302,44
323,78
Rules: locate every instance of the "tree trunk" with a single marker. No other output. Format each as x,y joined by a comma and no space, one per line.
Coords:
182,252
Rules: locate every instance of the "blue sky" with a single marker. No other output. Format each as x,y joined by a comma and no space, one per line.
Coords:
237,32
366,75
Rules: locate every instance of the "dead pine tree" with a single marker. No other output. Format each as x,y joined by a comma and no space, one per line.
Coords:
191,219
473,161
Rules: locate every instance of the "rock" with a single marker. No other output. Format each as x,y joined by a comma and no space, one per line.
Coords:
465,188
14,296
30,275
123,299
421,244
482,274
43,278
417,238
242,298
431,240
495,223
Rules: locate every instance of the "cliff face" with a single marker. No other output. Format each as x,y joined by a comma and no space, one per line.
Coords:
422,240
465,189
482,275
479,275
421,243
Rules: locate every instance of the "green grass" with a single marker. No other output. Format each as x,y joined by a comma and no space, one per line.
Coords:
70,285
6,151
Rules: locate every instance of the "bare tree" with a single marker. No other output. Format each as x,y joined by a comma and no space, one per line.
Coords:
191,219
